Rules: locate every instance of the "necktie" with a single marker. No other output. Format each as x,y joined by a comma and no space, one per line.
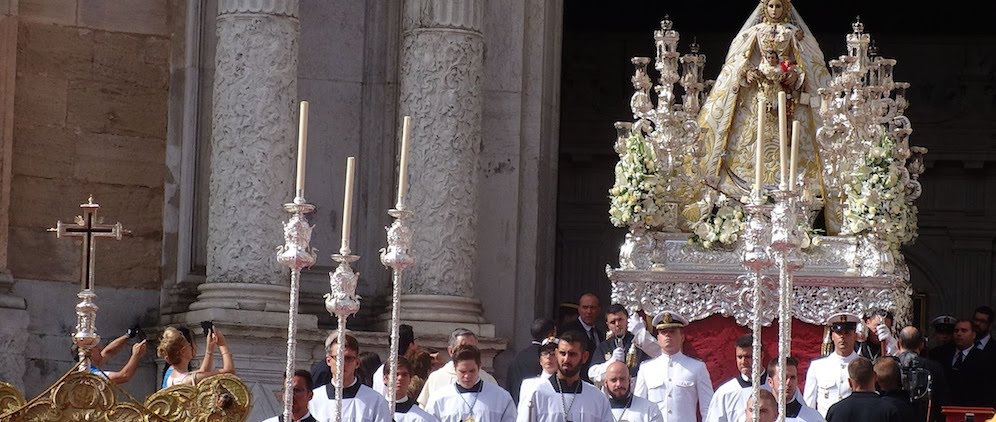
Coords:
591,335
959,358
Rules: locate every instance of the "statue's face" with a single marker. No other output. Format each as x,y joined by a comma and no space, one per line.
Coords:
775,9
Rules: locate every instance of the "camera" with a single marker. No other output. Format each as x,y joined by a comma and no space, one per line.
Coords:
207,326
136,332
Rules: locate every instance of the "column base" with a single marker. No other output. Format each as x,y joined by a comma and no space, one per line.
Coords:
439,314
243,296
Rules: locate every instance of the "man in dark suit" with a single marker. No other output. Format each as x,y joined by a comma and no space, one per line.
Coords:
589,309
982,322
889,379
911,344
967,370
526,361
864,404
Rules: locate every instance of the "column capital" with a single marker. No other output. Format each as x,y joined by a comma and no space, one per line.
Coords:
260,7
444,14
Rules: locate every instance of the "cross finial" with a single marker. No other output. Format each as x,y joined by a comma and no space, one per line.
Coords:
88,227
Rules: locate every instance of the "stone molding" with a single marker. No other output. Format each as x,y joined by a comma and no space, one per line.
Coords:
263,7
441,88
253,140
440,14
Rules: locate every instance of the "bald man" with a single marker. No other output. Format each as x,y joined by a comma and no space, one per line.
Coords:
626,406
589,312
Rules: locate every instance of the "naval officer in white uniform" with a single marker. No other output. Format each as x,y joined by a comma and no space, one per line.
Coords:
677,383
826,379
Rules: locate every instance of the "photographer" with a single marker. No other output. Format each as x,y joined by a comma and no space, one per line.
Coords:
100,355
177,350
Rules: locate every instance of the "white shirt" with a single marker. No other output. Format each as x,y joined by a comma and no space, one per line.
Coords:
414,414
443,377
487,402
639,410
378,381
983,341
548,405
730,400
277,418
826,382
806,414
676,383
529,385
359,403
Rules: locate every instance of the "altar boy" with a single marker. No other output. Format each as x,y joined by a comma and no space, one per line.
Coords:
471,399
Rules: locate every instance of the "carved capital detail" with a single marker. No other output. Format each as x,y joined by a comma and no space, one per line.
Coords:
441,88
252,147
456,14
262,7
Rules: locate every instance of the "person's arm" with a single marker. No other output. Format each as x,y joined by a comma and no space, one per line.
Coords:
642,338
128,371
809,391
207,364
228,364
113,348
704,386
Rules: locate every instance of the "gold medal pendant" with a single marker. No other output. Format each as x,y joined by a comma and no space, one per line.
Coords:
468,418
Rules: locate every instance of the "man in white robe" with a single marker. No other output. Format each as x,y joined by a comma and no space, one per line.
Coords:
446,375
406,341
300,397
678,384
626,406
566,397
795,409
405,407
548,363
730,398
826,379
359,402
470,399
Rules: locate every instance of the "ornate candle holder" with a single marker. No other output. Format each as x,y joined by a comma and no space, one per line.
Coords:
399,241
756,259
296,253
785,246
342,302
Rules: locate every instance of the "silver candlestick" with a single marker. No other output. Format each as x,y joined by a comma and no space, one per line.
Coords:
342,302
296,254
785,247
755,258
396,256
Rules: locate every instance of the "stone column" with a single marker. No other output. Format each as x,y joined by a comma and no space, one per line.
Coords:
441,87
253,142
13,311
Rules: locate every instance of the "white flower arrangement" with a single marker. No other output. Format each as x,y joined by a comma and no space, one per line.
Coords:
876,197
720,224
638,196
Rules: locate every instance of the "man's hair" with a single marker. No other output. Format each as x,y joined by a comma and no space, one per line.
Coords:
460,332
467,352
541,328
306,376
910,338
773,365
746,341
406,338
860,370
575,337
616,308
766,396
333,339
402,363
888,374
964,320
985,309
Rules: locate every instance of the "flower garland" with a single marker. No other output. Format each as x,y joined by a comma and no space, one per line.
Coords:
720,224
876,197
638,196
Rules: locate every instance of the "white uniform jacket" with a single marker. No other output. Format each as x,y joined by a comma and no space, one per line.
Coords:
677,384
826,382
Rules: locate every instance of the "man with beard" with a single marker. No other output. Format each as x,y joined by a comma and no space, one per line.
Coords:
630,346
795,410
566,397
589,308
678,384
728,402
982,321
826,381
626,406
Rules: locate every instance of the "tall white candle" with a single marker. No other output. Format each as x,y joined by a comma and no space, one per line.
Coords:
783,139
302,148
794,156
403,170
347,204
759,151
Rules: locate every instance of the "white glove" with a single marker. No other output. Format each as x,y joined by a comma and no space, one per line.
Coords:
619,355
883,332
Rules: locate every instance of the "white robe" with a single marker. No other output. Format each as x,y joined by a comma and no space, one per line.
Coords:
678,384
730,400
366,405
826,382
491,404
277,418
640,410
414,414
547,405
529,385
443,377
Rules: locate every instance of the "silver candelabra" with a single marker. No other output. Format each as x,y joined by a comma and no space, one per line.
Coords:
396,256
755,258
785,246
296,253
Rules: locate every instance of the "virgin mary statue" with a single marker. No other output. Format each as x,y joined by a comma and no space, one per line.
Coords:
774,51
